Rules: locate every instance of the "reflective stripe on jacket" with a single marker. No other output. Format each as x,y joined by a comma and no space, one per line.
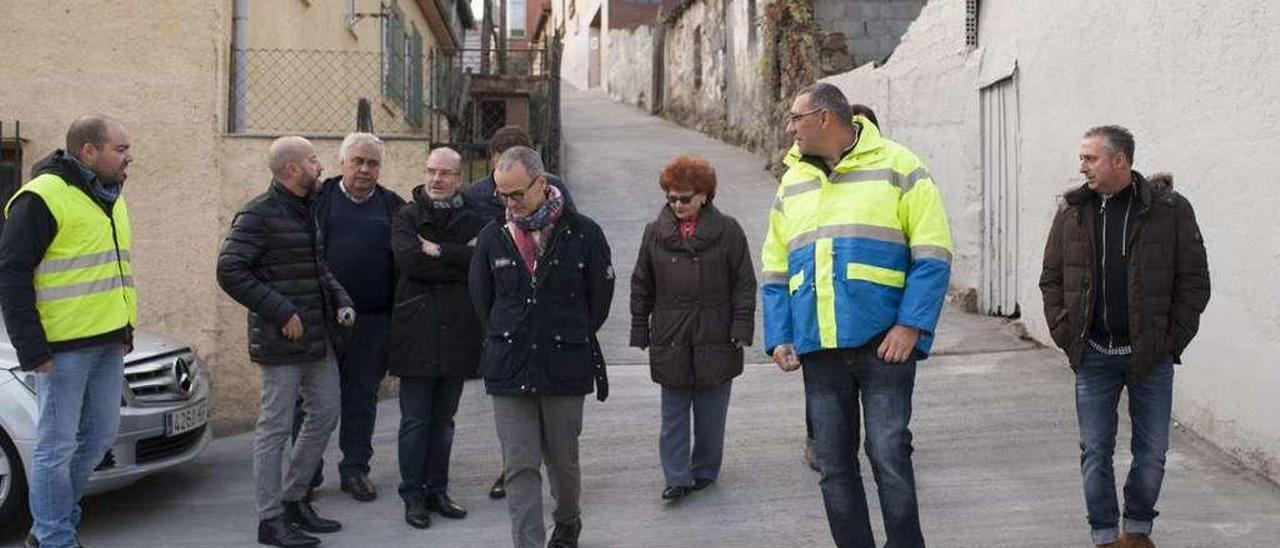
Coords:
84,283
849,254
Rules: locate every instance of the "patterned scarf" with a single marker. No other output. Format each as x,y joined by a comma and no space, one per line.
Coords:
531,231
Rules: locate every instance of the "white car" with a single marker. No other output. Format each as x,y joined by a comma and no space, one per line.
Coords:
164,417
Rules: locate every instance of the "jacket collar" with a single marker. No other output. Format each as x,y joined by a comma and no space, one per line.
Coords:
278,189
869,140
705,234
1083,195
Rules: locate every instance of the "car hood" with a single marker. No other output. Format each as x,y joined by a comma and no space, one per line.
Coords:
145,346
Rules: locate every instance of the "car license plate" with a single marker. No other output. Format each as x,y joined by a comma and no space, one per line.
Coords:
187,419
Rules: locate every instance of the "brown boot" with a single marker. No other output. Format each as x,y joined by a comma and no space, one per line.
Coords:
1136,540
1116,544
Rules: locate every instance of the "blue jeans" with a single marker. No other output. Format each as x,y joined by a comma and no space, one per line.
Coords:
79,418
710,409
835,383
427,407
1099,380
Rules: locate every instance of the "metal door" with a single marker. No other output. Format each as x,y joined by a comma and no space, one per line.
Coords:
998,291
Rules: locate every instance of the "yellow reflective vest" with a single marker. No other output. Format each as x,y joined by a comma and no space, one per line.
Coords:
851,253
83,284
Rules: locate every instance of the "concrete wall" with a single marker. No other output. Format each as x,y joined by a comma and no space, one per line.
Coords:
872,28
1185,78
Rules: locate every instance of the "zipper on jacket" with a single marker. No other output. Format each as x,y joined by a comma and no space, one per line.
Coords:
1106,317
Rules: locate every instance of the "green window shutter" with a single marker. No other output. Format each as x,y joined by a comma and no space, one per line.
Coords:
393,54
414,108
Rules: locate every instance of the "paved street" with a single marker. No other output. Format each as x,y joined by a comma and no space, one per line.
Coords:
996,454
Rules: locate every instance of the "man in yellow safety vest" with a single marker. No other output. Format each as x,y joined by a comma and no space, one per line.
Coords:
66,289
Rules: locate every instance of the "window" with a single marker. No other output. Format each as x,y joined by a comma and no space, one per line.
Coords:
516,18
393,54
10,161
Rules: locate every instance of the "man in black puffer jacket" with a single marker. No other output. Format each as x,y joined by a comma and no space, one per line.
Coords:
272,263
542,283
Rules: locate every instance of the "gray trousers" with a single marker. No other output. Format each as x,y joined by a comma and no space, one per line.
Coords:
710,407
317,384
533,429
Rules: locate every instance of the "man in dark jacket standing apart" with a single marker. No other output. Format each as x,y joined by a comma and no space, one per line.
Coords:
435,334
66,288
542,283
272,262
1125,280
354,214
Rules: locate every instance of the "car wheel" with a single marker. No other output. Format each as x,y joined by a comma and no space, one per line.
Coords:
13,484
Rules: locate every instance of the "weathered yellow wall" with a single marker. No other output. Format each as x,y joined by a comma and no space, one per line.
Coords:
309,45
244,175
162,69
155,66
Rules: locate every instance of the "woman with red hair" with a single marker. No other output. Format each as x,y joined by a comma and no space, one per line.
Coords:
693,301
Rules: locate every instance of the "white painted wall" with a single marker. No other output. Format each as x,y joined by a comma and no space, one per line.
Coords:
577,33
1196,82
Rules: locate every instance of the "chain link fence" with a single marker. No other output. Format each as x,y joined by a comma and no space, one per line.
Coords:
455,98
316,92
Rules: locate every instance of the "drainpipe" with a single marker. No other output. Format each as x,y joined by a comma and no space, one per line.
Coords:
239,61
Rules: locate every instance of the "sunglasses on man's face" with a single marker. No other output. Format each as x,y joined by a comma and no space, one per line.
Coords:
673,199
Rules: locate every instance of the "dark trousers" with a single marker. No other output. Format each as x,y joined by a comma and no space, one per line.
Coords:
839,386
361,367
427,407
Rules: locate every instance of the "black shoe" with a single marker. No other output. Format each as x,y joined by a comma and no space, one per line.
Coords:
499,489
676,492
303,516
565,535
277,532
360,487
702,483
441,504
417,514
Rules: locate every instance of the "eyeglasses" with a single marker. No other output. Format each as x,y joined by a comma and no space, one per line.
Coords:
441,172
516,195
796,116
673,199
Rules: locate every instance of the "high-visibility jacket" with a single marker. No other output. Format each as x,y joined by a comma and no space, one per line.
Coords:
84,283
851,253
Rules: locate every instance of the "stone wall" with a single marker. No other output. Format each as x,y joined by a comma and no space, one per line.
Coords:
629,77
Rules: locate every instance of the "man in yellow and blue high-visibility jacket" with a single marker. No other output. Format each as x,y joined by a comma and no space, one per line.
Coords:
856,264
